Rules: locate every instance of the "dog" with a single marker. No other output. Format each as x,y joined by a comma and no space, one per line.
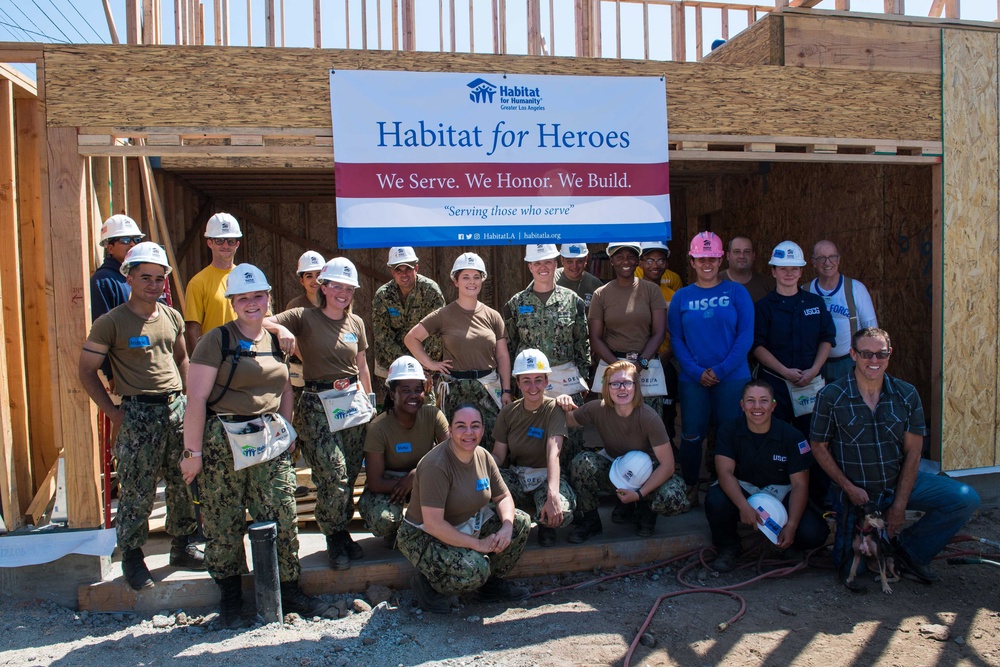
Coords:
871,544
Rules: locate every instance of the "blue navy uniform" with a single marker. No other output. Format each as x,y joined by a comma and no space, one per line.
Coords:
108,289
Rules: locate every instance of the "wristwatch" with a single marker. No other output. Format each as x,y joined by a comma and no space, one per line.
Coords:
508,391
191,454
644,362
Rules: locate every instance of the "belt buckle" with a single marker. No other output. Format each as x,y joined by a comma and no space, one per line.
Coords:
632,356
341,384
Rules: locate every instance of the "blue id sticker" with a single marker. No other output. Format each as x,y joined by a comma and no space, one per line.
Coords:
394,312
138,341
403,448
482,484
246,345
535,432
350,338
525,309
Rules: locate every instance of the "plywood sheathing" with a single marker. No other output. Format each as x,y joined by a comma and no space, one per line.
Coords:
971,235
759,44
110,86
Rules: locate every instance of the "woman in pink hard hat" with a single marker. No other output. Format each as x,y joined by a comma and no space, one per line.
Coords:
711,331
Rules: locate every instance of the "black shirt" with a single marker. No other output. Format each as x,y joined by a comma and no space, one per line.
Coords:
765,459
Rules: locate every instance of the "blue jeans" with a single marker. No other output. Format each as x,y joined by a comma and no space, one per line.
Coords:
724,519
834,370
946,502
699,405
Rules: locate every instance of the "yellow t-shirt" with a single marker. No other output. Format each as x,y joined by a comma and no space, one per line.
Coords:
668,279
206,302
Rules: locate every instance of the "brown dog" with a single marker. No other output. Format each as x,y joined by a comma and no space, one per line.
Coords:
870,543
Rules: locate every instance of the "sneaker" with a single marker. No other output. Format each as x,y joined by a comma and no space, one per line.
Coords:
134,568
185,555
336,551
354,550
501,590
429,599
294,601
727,559
623,512
585,527
925,573
546,536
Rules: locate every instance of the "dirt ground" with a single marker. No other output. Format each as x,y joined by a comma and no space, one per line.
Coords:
804,618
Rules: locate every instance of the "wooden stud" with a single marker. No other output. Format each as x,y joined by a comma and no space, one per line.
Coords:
347,23
282,14
698,36
618,29
843,5
133,184
894,6
937,310
111,22
364,25
552,28
180,34
225,22
43,497
217,22
677,33
952,9
317,24
534,27
101,167
249,23
409,31
148,23
133,22
725,23
119,193
937,6
645,30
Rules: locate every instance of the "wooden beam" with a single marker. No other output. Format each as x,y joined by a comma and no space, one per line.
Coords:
953,10
408,19
148,23
805,4
269,28
225,22
318,24
249,23
111,22
217,22
937,309
133,22
43,497
10,293
180,31
937,6
157,220
67,227
678,37
894,6
23,86
133,185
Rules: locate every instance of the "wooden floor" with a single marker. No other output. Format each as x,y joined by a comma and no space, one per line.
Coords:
179,589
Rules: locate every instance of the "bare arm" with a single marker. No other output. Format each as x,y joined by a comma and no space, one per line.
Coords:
499,452
503,368
598,348
912,447
192,332
201,379
181,359
565,401
374,477
659,333
725,468
414,343
551,514
91,358
822,353
797,500
363,373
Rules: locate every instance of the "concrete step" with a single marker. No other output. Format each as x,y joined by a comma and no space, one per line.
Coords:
180,589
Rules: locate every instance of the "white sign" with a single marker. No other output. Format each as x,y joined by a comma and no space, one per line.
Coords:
425,159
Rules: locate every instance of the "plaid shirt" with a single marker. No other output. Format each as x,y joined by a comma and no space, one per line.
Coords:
866,445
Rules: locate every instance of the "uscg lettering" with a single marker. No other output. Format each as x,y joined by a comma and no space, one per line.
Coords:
705,304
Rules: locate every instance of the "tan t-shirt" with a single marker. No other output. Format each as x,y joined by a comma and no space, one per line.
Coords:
627,313
301,301
328,348
258,381
141,351
527,432
461,489
470,337
403,448
642,430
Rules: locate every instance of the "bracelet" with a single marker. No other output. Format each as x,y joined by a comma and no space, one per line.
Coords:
508,391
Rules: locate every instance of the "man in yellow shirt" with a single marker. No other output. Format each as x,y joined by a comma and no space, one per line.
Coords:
206,306
668,278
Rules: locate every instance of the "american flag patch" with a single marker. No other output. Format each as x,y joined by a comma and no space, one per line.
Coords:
804,447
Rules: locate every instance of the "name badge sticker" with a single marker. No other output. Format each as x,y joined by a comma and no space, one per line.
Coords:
138,341
350,337
403,448
482,484
525,309
394,312
535,432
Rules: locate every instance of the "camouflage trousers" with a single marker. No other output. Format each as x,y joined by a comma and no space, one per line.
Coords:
266,490
589,476
532,502
573,443
149,446
335,459
471,391
454,570
380,513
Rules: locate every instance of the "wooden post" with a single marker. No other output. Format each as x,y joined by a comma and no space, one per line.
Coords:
133,22
14,395
43,417
937,310
843,5
408,19
894,6
699,44
269,22
102,185
77,436
584,28
133,185
678,35
180,23
317,24
618,29
249,23
952,9
111,22
217,22
225,22
148,23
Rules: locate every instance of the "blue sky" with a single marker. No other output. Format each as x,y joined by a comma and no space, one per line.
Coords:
84,21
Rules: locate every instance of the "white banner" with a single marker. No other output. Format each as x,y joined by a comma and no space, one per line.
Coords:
427,158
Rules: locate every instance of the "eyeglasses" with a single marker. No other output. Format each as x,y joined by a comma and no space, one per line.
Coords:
867,354
126,240
657,262
823,259
222,242
625,384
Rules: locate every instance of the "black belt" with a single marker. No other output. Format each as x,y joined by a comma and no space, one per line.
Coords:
470,375
624,355
154,399
324,385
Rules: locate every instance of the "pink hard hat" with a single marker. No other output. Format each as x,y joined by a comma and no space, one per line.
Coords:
706,244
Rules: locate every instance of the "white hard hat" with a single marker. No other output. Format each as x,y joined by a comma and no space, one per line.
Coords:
223,226
772,512
246,278
405,368
531,361
403,254
787,253
631,470
119,225
539,251
573,250
310,261
339,270
618,245
468,260
654,245
146,252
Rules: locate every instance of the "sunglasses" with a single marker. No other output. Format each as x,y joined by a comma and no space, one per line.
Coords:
866,354
222,242
126,240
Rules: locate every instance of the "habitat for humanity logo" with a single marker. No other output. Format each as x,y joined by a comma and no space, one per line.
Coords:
481,91
512,98
344,414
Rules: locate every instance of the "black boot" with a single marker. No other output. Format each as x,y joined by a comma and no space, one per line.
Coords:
623,512
428,598
336,550
231,603
186,555
294,601
586,526
645,521
134,568
354,550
